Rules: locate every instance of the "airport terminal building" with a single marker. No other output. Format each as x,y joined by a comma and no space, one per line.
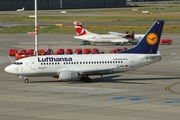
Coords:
8,5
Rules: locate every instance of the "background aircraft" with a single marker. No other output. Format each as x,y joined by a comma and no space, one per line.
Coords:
111,37
81,66
20,10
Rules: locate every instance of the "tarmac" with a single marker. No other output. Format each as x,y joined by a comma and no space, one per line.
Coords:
148,93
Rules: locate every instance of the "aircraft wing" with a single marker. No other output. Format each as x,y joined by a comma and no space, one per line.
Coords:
96,71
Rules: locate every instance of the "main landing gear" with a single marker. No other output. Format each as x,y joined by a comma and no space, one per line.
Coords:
87,79
26,80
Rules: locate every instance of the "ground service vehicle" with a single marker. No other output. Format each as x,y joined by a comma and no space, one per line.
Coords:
69,51
87,50
85,42
12,52
60,51
167,41
78,51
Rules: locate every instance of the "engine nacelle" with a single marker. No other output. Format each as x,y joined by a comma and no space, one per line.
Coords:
68,75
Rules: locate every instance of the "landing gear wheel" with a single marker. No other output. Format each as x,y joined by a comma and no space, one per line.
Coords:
26,80
83,79
88,80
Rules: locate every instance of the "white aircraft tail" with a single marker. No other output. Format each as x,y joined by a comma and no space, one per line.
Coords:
80,30
20,10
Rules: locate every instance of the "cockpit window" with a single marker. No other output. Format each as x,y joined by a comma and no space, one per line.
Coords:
18,63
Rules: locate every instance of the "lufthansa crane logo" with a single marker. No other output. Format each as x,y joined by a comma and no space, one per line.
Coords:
152,38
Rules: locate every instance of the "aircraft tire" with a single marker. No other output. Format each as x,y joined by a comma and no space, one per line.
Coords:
88,80
26,80
83,79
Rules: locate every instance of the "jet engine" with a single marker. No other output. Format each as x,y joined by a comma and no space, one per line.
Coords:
68,75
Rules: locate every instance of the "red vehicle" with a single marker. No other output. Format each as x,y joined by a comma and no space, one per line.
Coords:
41,52
112,51
60,51
124,48
23,51
69,51
87,50
31,52
12,52
116,50
163,41
78,51
95,51
21,55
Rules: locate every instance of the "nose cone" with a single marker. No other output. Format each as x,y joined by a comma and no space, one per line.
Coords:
8,69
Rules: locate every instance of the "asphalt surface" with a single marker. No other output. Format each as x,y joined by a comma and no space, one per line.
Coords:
151,92
10,24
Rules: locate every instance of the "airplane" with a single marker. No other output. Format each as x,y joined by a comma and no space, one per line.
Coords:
20,10
111,37
81,66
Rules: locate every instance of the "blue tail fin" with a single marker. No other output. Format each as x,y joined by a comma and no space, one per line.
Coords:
150,42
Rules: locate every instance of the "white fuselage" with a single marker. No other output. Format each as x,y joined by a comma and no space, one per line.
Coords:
52,65
105,38
137,37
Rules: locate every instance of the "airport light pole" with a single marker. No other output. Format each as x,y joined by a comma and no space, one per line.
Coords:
36,30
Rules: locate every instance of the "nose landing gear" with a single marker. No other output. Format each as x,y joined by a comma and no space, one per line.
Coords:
86,78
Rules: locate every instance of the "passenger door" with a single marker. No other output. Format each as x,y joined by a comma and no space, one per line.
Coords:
32,64
131,61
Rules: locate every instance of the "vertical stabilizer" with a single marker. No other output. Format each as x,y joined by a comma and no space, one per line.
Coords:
80,30
150,42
